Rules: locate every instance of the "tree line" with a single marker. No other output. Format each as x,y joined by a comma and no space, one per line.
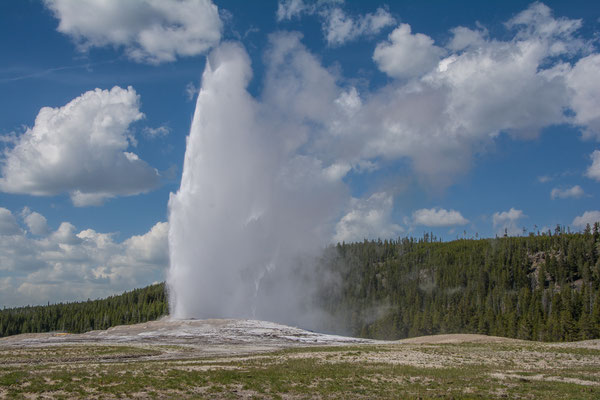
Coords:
139,305
540,287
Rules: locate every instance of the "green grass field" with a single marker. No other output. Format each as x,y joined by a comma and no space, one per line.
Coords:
389,371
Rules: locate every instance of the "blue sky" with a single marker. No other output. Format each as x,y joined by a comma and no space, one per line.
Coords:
456,118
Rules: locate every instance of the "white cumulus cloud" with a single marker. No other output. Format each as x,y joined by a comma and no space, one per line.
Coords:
36,222
153,133
191,90
463,38
288,9
438,217
537,21
442,105
593,170
368,218
150,247
67,264
588,217
507,221
585,86
573,192
151,31
338,27
80,149
8,223
407,55
464,101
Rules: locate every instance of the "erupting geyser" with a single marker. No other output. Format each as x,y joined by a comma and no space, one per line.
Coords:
252,211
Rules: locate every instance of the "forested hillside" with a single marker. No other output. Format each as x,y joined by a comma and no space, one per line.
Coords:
541,287
139,305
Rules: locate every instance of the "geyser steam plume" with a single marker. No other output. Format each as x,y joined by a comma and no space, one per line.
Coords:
251,209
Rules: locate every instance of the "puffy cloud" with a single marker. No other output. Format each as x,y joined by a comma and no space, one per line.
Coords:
464,101
406,55
80,149
463,38
507,221
442,105
338,27
151,31
537,21
438,217
436,112
289,9
593,170
191,90
65,234
8,223
36,222
80,199
588,217
66,265
296,84
583,82
573,192
150,247
152,133
497,87
368,218
558,35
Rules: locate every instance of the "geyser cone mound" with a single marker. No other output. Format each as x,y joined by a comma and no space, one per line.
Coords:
218,331
193,338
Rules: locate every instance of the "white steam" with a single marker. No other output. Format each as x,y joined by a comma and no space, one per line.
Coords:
250,211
